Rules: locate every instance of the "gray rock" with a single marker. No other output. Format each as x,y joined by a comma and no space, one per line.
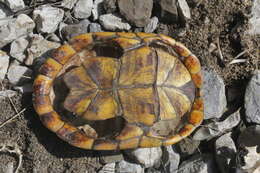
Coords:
15,5
171,159
47,18
114,157
95,27
203,163
7,93
108,168
136,11
152,25
127,167
69,4
252,99
83,9
213,94
4,10
112,22
18,74
255,19
184,10
169,10
25,89
39,49
147,157
97,9
225,152
214,129
110,6
11,29
187,146
76,29
18,48
4,63
249,142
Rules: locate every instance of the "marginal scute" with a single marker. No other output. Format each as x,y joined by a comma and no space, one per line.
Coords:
196,117
52,121
50,68
42,104
129,131
172,140
192,63
42,85
105,145
63,53
144,35
126,34
186,130
126,43
129,143
79,139
150,142
181,49
81,41
104,35
197,79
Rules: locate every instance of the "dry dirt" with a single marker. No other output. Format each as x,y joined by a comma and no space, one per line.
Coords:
213,22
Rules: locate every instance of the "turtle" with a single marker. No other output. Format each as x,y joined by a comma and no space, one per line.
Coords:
120,90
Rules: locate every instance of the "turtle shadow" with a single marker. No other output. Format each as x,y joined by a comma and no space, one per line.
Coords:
50,141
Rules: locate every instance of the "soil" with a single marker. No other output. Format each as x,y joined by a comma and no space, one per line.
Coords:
215,22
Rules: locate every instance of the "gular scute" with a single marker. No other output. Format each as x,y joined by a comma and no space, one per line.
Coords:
129,89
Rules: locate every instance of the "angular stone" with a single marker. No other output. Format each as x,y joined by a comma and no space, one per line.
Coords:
213,94
18,74
70,31
15,5
69,4
184,10
225,152
109,6
147,157
39,49
11,29
82,9
255,19
152,25
125,166
249,144
4,63
187,146
171,159
112,22
112,158
18,48
97,9
108,168
169,10
4,11
95,27
252,99
24,89
47,18
203,163
136,11
213,129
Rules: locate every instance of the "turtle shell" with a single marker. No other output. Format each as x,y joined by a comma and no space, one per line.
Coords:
110,91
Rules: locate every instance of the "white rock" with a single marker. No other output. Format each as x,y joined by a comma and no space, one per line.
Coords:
249,141
112,22
95,27
18,48
83,9
15,5
108,168
7,93
147,157
152,25
11,29
4,63
69,4
47,18
225,152
18,74
172,159
214,129
184,10
252,99
97,9
127,167
39,48
198,164
255,19
213,94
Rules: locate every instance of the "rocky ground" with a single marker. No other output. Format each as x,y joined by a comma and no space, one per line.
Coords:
225,35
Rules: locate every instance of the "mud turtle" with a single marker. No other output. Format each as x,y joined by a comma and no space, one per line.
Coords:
109,91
